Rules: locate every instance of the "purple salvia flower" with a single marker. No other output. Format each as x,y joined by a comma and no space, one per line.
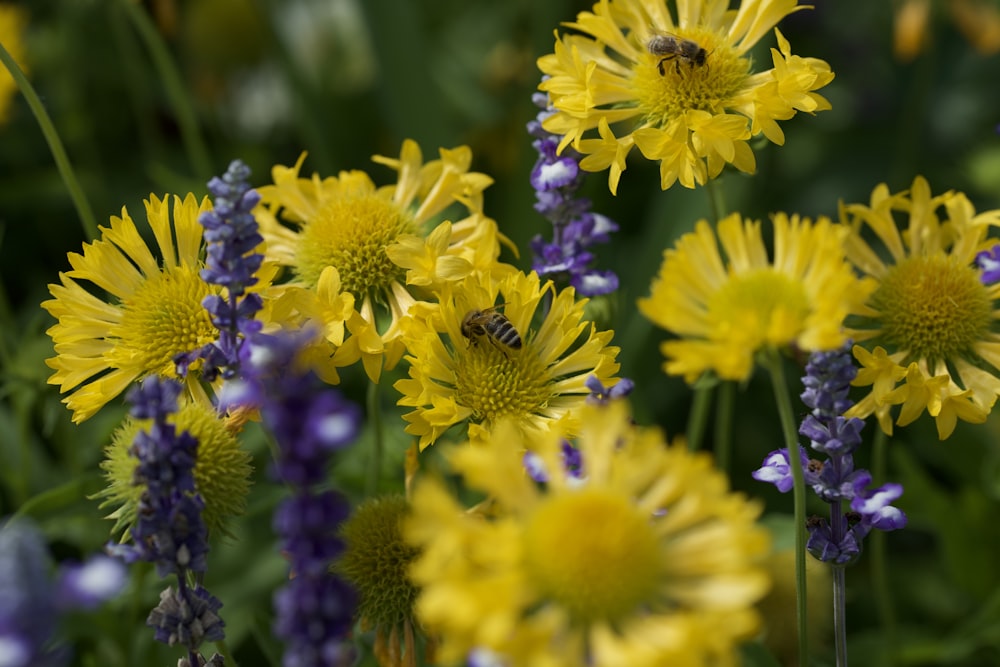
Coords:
313,615
187,616
535,467
86,585
32,599
835,480
169,530
776,469
988,262
309,421
569,456
599,394
27,618
556,179
232,235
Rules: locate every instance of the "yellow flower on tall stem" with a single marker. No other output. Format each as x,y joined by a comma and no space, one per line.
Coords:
726,311
682,89
928,337
647,560
385,247
155,311
454,378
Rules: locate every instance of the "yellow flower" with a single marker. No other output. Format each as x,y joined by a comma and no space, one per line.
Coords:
13,23
725,312
977,20
454,378
694,112
380,248
154,314
930,342
649,560
221,471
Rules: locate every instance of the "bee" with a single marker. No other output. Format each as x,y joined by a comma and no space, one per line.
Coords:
492,325
672,47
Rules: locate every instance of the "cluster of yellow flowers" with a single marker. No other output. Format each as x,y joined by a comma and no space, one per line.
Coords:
647,558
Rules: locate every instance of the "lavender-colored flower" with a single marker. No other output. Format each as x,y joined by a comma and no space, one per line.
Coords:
599,394
32,599
776,469
169,530
309,421
231,233
313,616
570,458
988,262
86,585
27,621
187,617
556,179
484,657
835,480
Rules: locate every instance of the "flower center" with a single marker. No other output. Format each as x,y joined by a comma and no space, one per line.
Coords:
351,234
762,302
934,307
221,472
699,71
594,553
163,318
497,382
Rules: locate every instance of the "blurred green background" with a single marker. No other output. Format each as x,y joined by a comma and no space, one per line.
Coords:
346,79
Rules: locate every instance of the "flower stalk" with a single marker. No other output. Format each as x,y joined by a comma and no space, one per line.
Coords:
775,367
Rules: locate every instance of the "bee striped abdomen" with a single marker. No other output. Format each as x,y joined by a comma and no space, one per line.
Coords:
493,326
503,331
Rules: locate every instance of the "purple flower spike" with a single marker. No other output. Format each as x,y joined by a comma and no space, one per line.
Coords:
32,601
309,421
835,480
988,262
169,530
556,179
86,585
599,394
232,235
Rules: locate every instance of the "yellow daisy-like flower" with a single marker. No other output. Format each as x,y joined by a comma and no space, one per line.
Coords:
155,312
13,23
454,378
382,246
977,20
221,471
682,89
649,560
725,312
929,332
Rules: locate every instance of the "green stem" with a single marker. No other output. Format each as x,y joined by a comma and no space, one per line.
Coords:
699,416
723,436
840,612
180,101
879,559
773,363
55,145
716,199
375,419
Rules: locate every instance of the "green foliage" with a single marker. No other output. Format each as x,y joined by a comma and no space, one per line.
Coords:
263,80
